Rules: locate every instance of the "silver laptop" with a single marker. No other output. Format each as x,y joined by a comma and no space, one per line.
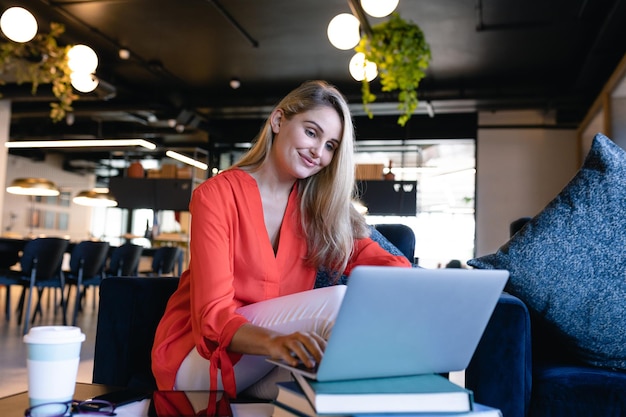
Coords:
397,321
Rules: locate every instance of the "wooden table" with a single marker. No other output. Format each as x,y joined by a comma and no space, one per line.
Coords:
14,405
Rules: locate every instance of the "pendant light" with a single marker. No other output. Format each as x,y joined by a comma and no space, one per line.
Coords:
360,68
95,198
18,24
343,31
82,59
33,186
379,8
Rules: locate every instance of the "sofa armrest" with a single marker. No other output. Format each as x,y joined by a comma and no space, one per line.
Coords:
500,371
130,310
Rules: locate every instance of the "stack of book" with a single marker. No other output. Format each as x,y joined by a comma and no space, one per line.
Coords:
414,395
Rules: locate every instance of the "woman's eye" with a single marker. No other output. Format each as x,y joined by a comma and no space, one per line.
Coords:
330,146
310,133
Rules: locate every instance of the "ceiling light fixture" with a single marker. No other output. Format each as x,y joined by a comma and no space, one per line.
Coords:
234,83
80,143
379,8
343,31
33,186
187,160
82,59
124,54
95,198
84,82
18,24
361,68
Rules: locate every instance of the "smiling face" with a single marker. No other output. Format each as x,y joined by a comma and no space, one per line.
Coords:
305,143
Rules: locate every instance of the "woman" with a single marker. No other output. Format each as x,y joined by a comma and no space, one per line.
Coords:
259,232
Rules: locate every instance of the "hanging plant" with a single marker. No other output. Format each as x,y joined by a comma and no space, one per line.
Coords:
402,55
41,61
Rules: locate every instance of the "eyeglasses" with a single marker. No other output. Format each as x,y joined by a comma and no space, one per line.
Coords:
70,408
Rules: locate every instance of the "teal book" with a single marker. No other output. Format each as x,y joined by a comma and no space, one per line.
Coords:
402,394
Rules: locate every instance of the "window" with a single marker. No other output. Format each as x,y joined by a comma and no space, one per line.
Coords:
445,171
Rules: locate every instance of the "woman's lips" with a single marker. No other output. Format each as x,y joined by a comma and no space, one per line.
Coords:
308,161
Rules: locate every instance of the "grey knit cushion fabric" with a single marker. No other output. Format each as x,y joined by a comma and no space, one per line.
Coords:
568,264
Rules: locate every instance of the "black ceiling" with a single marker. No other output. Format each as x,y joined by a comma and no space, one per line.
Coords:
553,55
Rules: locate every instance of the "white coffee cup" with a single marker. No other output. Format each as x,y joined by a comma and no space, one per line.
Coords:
52,362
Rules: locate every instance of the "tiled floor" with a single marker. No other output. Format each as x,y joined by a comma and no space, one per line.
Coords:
13,374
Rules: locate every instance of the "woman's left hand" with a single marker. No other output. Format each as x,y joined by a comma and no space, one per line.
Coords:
305,347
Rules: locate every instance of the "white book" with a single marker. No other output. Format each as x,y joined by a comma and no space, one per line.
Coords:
478,411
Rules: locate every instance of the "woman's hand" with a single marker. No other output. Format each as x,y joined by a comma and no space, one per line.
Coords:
307,347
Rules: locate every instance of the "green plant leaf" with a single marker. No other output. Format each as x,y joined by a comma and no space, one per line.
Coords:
41,61
402,55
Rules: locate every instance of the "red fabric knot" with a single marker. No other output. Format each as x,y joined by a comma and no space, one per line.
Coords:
221,360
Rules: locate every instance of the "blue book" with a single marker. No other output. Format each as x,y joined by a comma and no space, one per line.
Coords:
425,393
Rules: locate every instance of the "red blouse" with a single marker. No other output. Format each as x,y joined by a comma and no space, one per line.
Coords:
233,264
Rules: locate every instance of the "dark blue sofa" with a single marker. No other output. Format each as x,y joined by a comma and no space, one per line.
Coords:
524,372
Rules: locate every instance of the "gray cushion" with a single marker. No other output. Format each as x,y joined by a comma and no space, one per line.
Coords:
569,263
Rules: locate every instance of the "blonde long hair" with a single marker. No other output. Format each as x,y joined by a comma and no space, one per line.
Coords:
330,221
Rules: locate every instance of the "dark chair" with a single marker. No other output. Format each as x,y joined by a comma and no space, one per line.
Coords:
87,262
130,310
124,261
8,281
40,267
164,260
401,236
10,250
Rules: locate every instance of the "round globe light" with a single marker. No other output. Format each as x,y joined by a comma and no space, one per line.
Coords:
360,68
379,8
82,59
84,82
343,31
18,24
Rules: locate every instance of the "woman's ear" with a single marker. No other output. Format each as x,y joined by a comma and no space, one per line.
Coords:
275,118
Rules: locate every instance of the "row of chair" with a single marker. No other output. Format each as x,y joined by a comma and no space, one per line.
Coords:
41,267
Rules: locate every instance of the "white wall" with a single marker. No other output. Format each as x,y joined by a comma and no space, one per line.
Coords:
519,170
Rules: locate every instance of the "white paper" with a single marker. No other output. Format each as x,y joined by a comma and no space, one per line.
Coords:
252,409
134,409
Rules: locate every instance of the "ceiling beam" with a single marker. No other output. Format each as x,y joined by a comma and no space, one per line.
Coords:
234,22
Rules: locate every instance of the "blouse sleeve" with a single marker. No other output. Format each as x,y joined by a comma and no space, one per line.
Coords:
213,317
368,252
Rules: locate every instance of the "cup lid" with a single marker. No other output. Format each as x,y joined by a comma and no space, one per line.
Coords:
54,335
